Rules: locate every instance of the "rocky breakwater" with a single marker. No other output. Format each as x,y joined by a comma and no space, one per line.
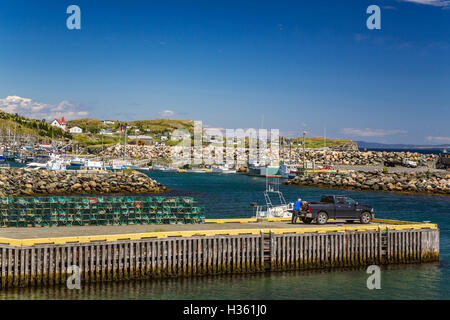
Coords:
18,182
330,157
142,152
420,182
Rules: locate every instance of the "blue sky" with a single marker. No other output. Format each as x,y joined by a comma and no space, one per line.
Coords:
298,65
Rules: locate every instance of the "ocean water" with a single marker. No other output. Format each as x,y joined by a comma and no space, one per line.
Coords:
229,196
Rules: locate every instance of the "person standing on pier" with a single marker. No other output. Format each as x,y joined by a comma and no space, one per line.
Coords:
296,211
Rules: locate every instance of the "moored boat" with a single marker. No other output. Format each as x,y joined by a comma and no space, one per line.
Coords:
280,209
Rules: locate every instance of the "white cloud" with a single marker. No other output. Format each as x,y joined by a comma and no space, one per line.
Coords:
38,110
436,3
166,113
438,139
367,132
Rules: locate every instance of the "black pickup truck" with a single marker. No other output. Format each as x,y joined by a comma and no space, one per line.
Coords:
443,161
336,207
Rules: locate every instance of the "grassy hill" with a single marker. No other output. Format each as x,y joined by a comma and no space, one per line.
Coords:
22,126
87,124
319,142
151,126
156,128
13,124
163,125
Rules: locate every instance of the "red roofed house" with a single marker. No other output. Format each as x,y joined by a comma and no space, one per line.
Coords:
60,124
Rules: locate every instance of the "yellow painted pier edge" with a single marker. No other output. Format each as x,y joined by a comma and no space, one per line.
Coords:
45,261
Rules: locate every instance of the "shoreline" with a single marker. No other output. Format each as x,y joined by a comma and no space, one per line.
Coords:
431,183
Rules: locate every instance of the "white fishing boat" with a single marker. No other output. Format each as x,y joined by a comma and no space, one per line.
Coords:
197,170
222,169
77,162
120,164
276,205
261,170
96,165
287,171
55,164
35,166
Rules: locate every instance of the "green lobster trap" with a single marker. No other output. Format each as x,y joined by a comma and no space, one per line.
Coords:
98,211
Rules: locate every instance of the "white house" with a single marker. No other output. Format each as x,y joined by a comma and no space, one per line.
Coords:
106,132
108,122
76,130
60,124
180,136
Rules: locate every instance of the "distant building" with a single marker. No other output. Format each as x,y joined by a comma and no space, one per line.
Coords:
60,124
179,136
76,130
106,132
213,135
108,122
163,138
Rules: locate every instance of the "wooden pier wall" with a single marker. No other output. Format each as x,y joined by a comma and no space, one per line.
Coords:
259,251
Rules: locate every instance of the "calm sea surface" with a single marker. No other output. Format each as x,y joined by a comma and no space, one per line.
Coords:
229,196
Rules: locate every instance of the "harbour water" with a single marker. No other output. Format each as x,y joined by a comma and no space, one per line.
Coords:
229,196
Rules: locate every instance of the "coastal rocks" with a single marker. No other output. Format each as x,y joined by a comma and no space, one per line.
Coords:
421,182
355,157
18,182
154,152
346,154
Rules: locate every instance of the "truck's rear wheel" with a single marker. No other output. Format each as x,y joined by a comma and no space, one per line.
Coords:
321,218
307,220
365,217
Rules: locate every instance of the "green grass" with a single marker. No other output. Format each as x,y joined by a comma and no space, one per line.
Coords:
31,127
319,142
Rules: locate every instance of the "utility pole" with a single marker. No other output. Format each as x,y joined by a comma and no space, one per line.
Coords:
304,145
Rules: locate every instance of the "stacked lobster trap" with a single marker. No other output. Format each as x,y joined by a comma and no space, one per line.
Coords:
101,210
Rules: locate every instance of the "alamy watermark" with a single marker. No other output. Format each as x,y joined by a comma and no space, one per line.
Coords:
230,147
73,22
374,20
374,280
74,281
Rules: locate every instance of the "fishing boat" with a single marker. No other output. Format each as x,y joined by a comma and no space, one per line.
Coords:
264,171
222,169
120,164
55,164
288,171
197,170
276,205
96,165
77,162
35,166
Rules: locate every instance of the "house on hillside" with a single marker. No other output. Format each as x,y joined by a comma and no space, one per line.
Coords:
213,135
180,136
108,122
106,132
60,124
76,130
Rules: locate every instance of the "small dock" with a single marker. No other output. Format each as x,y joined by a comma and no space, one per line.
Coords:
48,255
